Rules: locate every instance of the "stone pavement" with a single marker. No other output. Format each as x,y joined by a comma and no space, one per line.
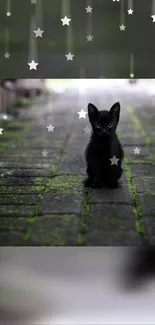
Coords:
42,199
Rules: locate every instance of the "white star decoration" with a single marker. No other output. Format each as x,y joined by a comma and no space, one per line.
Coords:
44,153
89,38
69,56
89,9
33,2
153,17
87,130
8,14
33,65
82,114
6,55
130,11
50,128
114,160
1,130
115,0
122,27
136,151
65,21
131,75
38,32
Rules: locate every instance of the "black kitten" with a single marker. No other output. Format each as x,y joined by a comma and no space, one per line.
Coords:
103,146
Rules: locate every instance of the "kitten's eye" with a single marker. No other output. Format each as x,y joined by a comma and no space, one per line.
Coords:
110,126
98,126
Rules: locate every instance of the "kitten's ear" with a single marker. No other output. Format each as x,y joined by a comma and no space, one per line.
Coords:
92,112
115,112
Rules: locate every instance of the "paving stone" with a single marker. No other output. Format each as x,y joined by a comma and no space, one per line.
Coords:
149,226
55,230
11,181
19,199
147,204
21,172
72,164
21,189
144,176
16,211
119,195
113,226
13,238
28,164
61,203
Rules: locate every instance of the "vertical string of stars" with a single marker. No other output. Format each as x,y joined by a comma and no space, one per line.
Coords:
89,36
6,44
130,7
66,13
122,17
8,8
131,65
39,33
153,11
32,50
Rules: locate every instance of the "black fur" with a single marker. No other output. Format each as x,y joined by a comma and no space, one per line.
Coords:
103,145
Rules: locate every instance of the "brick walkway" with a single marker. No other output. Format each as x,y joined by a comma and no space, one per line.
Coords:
42,199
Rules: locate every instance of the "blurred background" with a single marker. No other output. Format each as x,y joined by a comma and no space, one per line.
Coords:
71,286
109,52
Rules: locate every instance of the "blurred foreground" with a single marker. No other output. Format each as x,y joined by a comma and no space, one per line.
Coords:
71,286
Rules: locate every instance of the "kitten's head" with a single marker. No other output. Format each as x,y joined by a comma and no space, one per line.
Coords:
104,123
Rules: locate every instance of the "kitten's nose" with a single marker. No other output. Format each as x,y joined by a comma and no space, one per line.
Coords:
104,130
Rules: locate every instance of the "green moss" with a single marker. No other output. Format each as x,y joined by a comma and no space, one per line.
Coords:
26,236
65,183
138,125
135,201
31,219
81,240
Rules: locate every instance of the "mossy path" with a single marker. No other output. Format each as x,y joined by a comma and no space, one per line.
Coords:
42,199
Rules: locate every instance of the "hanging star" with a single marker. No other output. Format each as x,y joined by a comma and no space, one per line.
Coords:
122,27
115,0
44,153
131,75
89,9
33,65
82,114
114,160
137,151
69,56
87,130
38,32
65,21
153,17
89,38
8,14
130,11
1,130
33,2
50,128
6,55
